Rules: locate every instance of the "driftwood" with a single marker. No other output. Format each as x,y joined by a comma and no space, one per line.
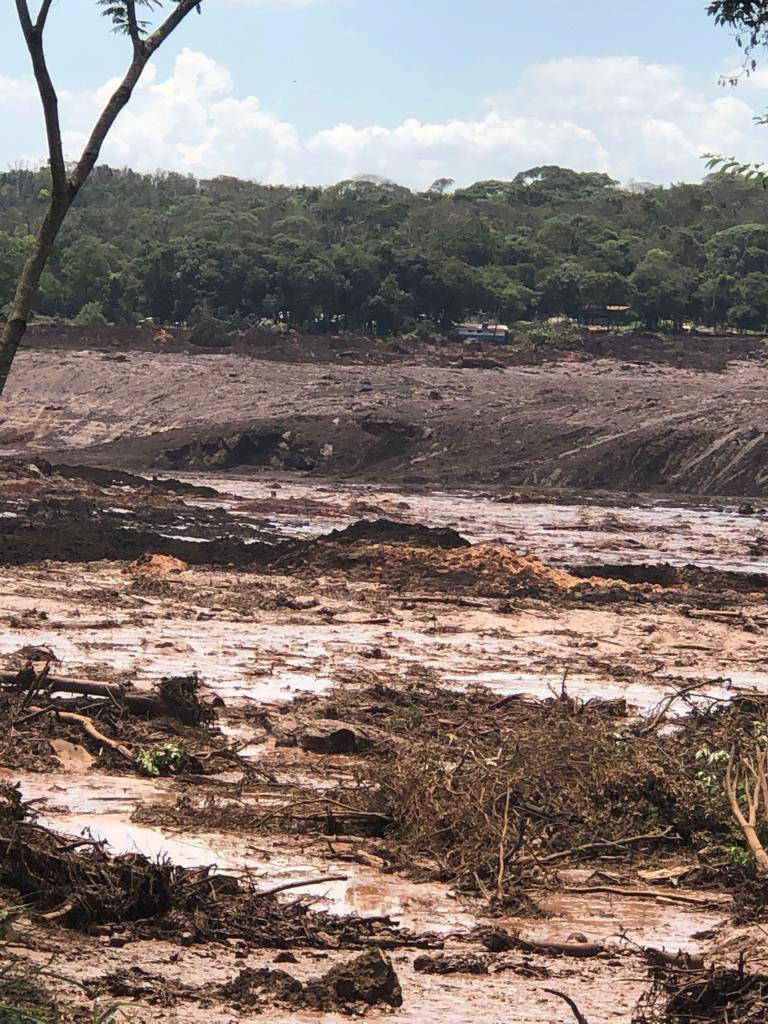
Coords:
88,727
302,883
500,941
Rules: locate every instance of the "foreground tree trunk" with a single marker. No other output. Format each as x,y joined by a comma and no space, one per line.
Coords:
67,186
26,291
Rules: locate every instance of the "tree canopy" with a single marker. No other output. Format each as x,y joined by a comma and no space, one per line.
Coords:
372,255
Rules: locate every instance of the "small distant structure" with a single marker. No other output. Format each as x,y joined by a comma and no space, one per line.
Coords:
609,316
483,332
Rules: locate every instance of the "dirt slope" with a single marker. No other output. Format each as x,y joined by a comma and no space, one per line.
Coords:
585,424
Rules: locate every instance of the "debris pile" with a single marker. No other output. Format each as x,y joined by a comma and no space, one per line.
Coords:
112,723
492,794
75,882
716,995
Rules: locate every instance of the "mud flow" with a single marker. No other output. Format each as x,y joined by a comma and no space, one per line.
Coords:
282,750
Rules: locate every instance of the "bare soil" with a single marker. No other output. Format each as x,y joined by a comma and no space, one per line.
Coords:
581,420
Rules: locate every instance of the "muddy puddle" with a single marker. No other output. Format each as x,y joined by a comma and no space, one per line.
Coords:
271,656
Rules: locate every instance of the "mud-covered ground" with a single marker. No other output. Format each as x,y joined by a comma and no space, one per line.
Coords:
344,638
433,643
650,418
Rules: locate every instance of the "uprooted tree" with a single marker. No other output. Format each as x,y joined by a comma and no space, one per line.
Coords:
67,182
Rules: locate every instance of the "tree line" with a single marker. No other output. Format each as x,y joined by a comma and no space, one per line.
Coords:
370,255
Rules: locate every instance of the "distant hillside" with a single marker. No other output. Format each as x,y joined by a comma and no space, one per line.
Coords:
372,256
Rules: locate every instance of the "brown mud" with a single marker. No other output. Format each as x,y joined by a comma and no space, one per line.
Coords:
619,418
262,727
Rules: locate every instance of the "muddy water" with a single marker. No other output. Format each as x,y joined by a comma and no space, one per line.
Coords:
718,537
99,627
273,656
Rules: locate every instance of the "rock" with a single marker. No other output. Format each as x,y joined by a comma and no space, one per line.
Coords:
71,756
256,988
286,957
327,736
496,940
463,963
369,980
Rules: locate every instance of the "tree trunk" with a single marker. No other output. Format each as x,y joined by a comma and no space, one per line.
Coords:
26,291
66,188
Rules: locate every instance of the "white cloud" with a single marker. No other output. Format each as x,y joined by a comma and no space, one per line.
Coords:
624,85
191,122
650,121
496,146
615,114
14,91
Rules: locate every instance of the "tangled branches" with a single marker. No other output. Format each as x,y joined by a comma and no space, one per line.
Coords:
718,995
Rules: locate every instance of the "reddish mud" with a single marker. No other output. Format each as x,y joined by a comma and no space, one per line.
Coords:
263,631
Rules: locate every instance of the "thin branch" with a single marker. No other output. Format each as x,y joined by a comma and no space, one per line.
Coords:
33,36
174,19
42,16
133,24
301,884
574,1008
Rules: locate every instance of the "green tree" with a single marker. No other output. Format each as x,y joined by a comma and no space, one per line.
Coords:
662,289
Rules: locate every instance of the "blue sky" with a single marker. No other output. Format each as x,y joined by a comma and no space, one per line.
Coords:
318,90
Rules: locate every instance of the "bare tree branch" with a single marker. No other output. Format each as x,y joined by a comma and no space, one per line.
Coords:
574,1008
133,24
42,16
33,36
174,19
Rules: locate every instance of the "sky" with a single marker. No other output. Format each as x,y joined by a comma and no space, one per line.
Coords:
316,91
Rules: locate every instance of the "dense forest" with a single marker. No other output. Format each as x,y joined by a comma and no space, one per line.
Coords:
371,255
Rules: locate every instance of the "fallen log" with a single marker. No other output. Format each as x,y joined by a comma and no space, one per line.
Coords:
136,702
499,941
